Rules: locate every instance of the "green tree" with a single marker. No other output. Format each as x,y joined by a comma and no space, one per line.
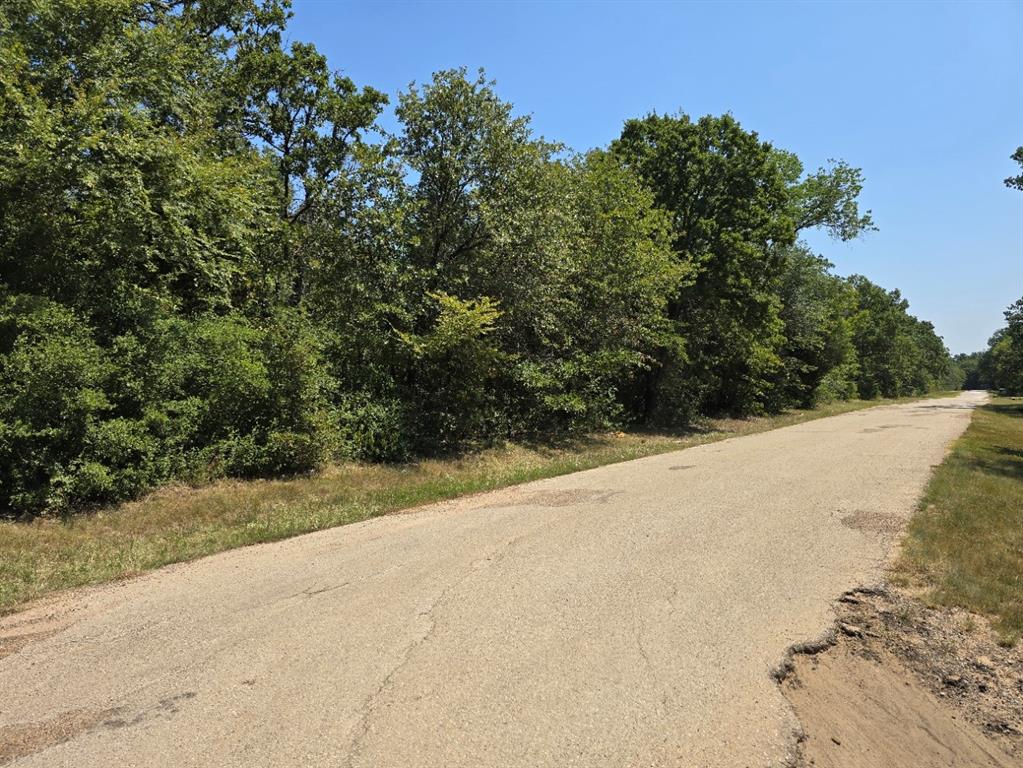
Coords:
897,354
487,221
976,370
623,273
737,203
310,122
826,198
132,206
731,214
1006,350
456,366
818,354
115,193
574,253
213,262
1016,182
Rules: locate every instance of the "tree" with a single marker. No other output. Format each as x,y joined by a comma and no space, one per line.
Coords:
115,192
622,273
736,203
484,217
819,360
1007,351
897,353
131,209
310,121
573,252
976,370
485,222
1016,182
826,198
729,207
213,262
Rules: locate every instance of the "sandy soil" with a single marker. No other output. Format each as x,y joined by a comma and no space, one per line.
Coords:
900,685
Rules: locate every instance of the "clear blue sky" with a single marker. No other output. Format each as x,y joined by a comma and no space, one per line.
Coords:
927,98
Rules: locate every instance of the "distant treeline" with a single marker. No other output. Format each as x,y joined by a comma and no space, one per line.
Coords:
1000,366
214,262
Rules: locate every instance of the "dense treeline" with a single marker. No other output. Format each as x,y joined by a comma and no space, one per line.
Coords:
214,262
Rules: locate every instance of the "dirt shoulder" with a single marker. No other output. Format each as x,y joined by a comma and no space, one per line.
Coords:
900,684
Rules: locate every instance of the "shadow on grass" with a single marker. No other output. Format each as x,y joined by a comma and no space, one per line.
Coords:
1006,409
1008,467
995,459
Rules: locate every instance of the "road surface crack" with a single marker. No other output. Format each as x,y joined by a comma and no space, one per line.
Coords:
370,704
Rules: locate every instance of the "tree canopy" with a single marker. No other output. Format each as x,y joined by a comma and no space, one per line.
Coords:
213,261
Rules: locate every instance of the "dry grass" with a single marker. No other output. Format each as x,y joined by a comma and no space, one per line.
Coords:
964,546
176,524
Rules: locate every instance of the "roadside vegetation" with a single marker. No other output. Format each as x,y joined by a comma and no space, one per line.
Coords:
214,263
179,523
965,545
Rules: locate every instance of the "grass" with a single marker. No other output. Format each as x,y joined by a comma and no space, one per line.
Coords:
964,547
176,524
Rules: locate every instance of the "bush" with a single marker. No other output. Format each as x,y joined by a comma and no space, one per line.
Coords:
454,366
52,376
838,384
82,424
260,394
375,429
573,395
254,455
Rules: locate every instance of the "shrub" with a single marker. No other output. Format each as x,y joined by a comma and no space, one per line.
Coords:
454,366
82,424
375,429
260,394
52,376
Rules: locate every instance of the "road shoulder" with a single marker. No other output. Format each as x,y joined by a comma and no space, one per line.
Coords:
922,671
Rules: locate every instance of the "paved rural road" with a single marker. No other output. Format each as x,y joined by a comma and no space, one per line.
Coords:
624,616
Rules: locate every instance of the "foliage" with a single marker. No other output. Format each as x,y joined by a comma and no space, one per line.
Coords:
82,424
737,204
974,369
1007,352
574,253
1016,182
115,191
51,407
214,262
453,371
1000,366
898,354
819,359
729,207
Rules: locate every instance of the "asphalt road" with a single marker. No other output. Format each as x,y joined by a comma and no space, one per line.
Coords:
624,616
